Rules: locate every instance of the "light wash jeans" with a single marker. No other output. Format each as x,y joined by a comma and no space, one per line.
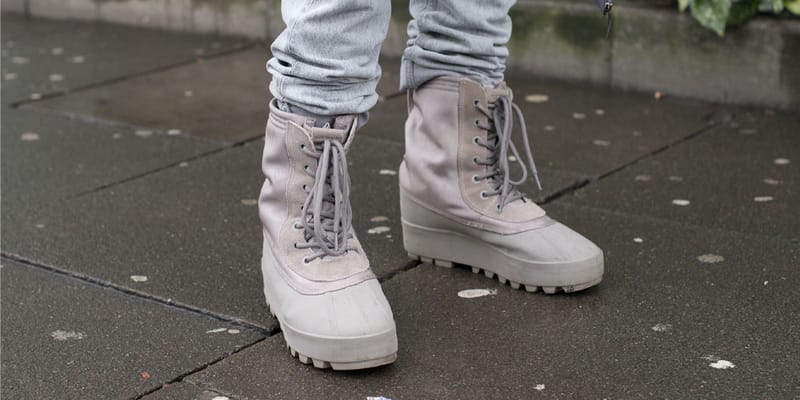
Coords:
325,62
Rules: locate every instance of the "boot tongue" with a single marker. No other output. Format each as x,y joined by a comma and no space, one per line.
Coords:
326,133
327,214
344,122
492,94
503,112
342,131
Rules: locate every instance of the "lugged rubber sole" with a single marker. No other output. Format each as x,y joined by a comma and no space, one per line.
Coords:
342,366
504,280
431,237
324,364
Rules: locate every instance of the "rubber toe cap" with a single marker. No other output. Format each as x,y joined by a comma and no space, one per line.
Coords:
554,243
356,311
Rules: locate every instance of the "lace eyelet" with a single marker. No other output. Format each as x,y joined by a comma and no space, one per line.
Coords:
305,261
475,160
476,140
476,102
484,195
297,226
295,245
302,146
305,188
475,179
498,207
478,123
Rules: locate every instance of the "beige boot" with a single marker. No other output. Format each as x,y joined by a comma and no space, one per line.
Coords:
317,279
459,203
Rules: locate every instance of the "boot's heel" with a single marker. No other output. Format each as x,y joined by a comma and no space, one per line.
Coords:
429,245
440,263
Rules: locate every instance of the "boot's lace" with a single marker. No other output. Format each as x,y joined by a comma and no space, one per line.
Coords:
498,142
326,214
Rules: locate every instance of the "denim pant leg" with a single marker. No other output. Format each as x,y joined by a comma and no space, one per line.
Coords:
326,60
465,38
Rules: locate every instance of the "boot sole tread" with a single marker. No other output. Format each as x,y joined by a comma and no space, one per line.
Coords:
336,366
503,280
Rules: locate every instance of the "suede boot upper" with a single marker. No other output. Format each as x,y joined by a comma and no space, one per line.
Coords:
448,148
310,234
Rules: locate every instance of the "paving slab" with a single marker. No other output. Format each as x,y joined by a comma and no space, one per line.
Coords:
742,176
224,98
662,324
193,229
48,158
183,391
46,56
63,338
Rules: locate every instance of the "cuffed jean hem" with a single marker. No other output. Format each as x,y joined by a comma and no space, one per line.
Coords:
319,119
413,76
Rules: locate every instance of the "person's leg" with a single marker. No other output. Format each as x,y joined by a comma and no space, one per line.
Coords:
456,38
458,200
326,60
317,279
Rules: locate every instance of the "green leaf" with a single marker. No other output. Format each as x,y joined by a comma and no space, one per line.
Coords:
793,6
683,4
713,14
743,10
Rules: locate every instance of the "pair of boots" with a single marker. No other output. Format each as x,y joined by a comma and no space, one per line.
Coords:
458,202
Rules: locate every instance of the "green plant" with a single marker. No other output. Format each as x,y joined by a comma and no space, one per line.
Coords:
717,14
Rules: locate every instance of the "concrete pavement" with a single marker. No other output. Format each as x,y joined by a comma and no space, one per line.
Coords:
130,238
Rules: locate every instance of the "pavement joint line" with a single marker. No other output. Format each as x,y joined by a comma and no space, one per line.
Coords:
199,386
94,120
225,146
163,68
579,183
411,264
139,295
180,377
207,387
163,168
710,126
584,182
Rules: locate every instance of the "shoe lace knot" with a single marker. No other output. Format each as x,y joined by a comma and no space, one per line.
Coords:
326,213
501,114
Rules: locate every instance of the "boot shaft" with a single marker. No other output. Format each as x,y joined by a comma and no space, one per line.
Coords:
295,160
444,165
